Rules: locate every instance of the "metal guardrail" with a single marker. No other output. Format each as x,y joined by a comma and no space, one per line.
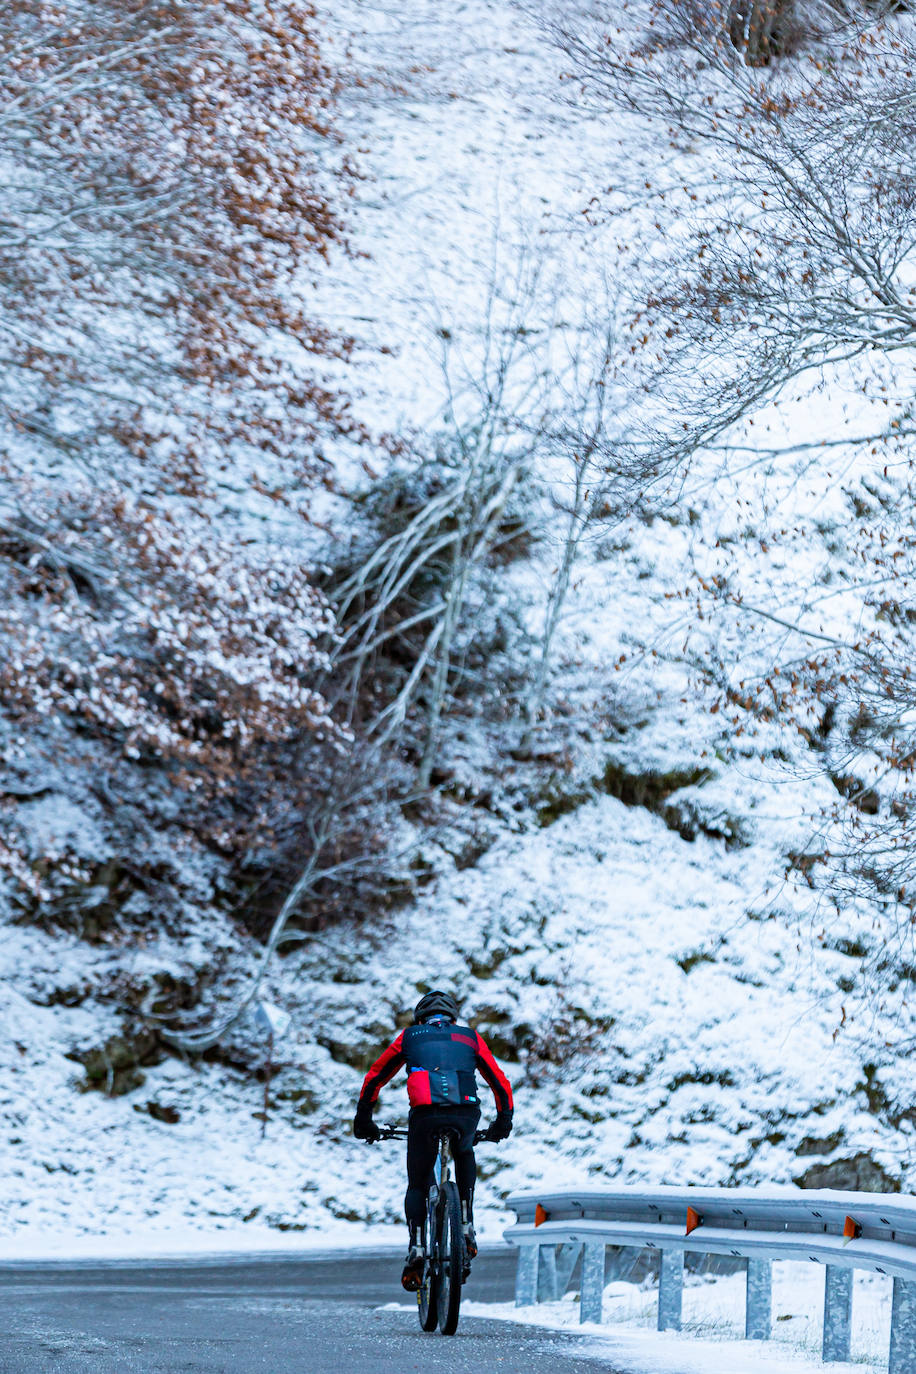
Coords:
842,1231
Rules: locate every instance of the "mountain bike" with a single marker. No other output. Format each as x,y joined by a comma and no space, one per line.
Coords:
447,1264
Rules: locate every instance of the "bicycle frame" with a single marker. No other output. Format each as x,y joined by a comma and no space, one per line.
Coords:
441,1168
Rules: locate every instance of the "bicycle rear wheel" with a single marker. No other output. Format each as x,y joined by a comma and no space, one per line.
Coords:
451,1259
428,1292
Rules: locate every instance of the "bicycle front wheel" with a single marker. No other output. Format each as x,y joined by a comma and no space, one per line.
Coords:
451,1260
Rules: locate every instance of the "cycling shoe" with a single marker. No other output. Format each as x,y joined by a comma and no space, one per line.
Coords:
412,1275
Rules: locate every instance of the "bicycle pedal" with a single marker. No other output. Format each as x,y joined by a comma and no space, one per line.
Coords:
412,1275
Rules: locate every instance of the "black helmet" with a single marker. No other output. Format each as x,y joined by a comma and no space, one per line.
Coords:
436,1003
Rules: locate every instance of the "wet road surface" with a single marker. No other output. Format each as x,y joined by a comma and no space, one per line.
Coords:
322,1315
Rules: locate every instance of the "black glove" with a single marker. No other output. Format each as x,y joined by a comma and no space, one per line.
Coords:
364,1128
500,1128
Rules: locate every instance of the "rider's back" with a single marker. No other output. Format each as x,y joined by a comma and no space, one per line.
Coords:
441,1059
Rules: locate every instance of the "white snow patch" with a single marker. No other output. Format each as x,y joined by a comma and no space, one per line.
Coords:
713,1317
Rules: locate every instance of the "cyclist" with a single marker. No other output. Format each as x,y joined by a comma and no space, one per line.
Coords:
441,1058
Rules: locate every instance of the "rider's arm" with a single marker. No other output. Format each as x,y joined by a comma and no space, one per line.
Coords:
494,1077
384,1069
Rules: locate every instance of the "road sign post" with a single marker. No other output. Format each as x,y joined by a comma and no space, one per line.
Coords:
275,1023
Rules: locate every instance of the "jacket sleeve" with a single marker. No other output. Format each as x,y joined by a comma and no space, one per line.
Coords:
496,1080
384,1069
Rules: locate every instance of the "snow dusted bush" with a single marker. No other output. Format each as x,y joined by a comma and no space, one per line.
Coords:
172,181
416,591
843,684
171,169
151,630
167,645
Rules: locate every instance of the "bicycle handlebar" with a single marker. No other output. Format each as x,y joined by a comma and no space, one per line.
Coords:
391,1132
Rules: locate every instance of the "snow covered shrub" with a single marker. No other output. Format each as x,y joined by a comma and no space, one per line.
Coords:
172,180
162,646
171,169
844,684
149,629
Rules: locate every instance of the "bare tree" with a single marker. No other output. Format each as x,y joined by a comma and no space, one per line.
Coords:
453,512
595,476
533,453
797,251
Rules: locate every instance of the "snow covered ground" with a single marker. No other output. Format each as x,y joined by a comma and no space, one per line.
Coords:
713,1317
637,927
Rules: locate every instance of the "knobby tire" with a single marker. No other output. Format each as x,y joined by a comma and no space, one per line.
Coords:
451,1259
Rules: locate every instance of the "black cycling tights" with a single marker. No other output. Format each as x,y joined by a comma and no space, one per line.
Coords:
423,1129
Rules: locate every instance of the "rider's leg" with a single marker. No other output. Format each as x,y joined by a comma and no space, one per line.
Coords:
468,1119
466,1174
421,1156
466,1177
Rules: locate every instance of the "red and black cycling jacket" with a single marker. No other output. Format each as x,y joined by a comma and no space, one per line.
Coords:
442,1060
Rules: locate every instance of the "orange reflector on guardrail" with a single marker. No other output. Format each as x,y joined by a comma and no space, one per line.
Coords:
540,1216
693,1220
851,1230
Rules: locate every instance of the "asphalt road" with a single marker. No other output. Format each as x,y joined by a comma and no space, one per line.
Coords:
240,1316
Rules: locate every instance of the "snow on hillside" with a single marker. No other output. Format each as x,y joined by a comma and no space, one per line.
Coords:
627,941
473,160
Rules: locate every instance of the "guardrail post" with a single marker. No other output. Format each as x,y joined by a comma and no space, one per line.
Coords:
670,1290
758,1312
903,1328
526,1276
547,1274
837,1313
592,1290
